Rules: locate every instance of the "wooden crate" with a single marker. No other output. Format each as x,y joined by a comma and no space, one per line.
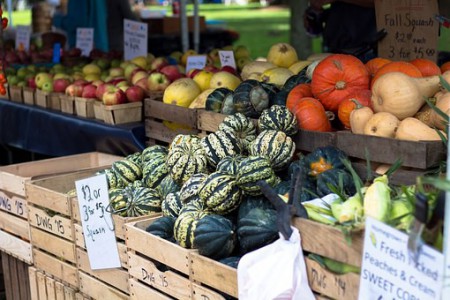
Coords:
140,291
14,208
16,94
29,96
208,121
98,111
306,140
68,104
122,113
157,112
48,100
15,276
157,263
85,107
45,287
96,289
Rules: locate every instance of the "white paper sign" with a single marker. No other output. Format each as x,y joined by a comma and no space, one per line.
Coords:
227,59
195,62
98,226
135,39
85,40
388,273
23,34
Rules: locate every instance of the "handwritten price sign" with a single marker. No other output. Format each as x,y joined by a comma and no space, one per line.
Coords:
227,59
23,34
98,227
135,39
195,62
85,40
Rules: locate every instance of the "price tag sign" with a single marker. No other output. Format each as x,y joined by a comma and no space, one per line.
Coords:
387,272
85,40
227,59
195,62
412,30
98,227
23,34
135,39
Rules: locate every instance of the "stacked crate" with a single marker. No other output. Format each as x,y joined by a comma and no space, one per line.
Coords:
43,287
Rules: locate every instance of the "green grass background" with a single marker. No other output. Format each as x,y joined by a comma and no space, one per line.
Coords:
259,27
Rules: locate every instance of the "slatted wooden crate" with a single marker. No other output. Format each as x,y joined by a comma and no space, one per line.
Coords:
157,263
68,104
16,94
417,157
15,276
48,100
156,113
208,121
84,107
29,96
14,210
45,287
122,113
96,289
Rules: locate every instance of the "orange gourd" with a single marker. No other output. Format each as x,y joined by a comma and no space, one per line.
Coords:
445,67
349,104
375,64
336,77
397,66
296,94
311,115
426,67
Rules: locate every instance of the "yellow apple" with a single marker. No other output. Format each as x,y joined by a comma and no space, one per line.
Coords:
185,55
92,69
203,79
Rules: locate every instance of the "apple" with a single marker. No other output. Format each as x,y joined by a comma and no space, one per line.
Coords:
74,90
229,69
81,82
116,72
138,75
157,81
115,81
158,63
97,82
74,52
47,87
114,97
214,55
129,69
89,91
122,83
42,78
189,52
60,85
143,84
135,94
102,88
172,72
211,68
192,72
203,79
124,87
31,82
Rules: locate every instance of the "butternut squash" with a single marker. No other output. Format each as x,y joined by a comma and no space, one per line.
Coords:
359,117
443,104
401,95
382,124
412,129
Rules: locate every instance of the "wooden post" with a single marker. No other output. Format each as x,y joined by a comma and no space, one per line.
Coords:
298,37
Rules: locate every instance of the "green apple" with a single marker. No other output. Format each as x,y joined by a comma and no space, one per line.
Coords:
103,63
22,84
42,78
22,72
115,63
12,80
47,87
10,71
61,76
32,68
129,69
241,51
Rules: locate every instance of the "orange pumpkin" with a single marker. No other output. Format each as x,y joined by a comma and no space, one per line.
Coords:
426,67
375,64
298,92
311,115
336,77
361,97
445,67
397,66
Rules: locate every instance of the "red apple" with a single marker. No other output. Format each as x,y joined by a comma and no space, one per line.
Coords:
192,72
74,90
31,83
157,81
135,94
102,88
74,52
60,85
115,81
143,84
114,97
211,68
172,72
89,91
229,69
138,75
158,63
81,82
97,82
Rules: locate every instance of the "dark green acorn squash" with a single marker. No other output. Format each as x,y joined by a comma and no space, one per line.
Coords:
249,203
257,229
295,80
278,117
214,237
332,177
162,227
215,100
184,227
323,159
279,98
250,98
231,261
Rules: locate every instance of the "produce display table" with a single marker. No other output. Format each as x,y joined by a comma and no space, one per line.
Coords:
54,133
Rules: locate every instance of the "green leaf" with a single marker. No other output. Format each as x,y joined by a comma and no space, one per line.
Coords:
397,164
444,83
442,114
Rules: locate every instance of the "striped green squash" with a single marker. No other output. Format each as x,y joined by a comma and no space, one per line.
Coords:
186,157
127,170
189,190
118,202
278,117
184,227
167,186
230,164
111,178
251,170
171,205
136,158
220,193
152,152
275,146
154,171
242,127
196,204
219,145
143,201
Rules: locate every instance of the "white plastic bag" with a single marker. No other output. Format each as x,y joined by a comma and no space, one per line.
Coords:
276,271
